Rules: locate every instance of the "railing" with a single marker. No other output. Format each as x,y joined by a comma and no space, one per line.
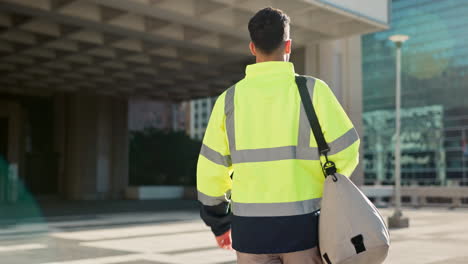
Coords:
420,182
418,196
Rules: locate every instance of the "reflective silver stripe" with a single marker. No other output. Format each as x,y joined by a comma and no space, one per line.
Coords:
293,152
301,151
303,138
212,200
276,209
229,112
344,141
215,156
272,154
264,154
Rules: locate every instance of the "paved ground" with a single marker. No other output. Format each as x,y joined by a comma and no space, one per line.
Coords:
435,236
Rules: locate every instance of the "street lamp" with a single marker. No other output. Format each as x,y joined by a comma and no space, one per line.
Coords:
397,220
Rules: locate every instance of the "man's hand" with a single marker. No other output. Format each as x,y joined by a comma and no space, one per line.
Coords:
224,240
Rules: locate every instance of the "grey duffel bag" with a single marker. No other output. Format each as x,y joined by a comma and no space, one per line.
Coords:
351,229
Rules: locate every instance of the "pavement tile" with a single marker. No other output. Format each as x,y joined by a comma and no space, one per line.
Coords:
141,262
435,236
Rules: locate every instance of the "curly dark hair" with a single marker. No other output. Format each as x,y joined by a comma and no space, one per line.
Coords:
268,29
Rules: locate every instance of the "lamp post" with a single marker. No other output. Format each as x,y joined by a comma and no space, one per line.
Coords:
397,220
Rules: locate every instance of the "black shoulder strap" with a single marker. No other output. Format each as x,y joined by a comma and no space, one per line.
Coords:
301,82
329,167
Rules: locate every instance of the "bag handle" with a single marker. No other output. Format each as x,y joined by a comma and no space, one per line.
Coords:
329,168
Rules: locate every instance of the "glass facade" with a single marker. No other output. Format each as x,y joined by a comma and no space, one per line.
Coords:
434,101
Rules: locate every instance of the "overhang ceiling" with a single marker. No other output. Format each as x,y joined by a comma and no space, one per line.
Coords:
162,49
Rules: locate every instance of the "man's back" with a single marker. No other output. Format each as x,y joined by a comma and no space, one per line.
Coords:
267,126
260,124
259,171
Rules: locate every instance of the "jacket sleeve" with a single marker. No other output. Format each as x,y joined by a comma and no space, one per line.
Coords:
214,169
338,130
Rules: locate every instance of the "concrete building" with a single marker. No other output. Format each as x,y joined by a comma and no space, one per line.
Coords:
200,111
143,113
69,67
168,116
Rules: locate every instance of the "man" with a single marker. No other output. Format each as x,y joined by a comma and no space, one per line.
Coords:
259,172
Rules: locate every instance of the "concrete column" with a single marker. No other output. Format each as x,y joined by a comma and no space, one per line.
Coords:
352,96
119,149
81,147
104,146
12,111
96,147
16,154
312,60
298,59
338,63
60,140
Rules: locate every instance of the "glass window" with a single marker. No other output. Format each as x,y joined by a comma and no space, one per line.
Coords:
434,66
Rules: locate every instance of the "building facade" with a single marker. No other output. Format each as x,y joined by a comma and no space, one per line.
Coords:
70,68
167,116
200,111
434,94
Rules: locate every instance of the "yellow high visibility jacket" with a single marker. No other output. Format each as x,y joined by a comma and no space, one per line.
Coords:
259,157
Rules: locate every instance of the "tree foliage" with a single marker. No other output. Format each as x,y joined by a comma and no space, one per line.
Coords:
162,158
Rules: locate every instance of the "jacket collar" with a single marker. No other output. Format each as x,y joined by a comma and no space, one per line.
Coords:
268,68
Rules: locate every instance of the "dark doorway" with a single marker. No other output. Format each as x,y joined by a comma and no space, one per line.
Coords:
27,134
4,137
3,158
41,159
